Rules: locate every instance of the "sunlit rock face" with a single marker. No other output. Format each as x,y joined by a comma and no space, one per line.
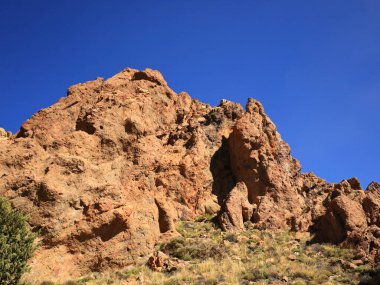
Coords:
106,172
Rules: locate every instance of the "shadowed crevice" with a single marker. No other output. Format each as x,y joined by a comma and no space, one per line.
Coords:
108,231
223,178
165,222
85,126
141,75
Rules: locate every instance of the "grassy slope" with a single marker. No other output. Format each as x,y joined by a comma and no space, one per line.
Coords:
249,257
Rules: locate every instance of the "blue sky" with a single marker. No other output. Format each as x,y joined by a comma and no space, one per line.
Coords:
315,65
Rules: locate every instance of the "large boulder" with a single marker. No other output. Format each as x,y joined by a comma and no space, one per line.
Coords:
236,209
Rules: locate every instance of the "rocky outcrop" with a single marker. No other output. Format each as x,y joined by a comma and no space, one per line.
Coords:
351,216
160,262
236,209
262,160
4,134
106,172
287,199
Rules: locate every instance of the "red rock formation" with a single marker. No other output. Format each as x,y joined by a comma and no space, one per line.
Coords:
261,159
351,215
106,171
236,209
4,134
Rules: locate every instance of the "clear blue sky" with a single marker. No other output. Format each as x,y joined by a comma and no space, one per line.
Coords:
315,65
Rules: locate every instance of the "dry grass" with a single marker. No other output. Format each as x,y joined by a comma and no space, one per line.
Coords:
249,257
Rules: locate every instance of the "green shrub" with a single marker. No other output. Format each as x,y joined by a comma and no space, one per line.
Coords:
192,249
205,218
16,244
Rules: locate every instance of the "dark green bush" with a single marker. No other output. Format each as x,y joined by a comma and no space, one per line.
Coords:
193,249
16,244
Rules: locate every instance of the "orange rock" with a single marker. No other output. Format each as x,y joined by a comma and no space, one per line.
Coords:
106,172
236,209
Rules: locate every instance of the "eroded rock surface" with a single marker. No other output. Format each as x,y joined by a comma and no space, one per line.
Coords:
351,215
106,172
236,209
4,134
108,169
262,160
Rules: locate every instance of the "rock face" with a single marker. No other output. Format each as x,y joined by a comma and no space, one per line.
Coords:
4,134
106,172
351,216
261,159
236,208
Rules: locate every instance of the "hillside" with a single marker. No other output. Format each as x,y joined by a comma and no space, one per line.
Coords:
109,171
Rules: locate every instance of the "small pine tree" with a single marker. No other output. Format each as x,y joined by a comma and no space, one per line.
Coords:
16,244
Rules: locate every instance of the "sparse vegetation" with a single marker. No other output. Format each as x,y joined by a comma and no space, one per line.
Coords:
16,244
249,257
